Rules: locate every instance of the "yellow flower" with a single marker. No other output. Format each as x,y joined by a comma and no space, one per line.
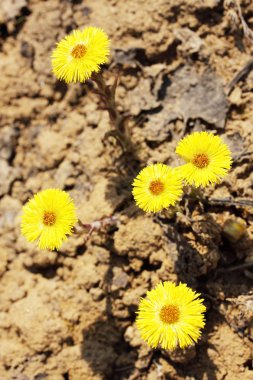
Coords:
80,54
48,217
156,187
170,316
208,158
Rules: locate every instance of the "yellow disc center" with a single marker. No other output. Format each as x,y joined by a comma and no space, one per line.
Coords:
79,51
200,160
49,218
169,314
156,187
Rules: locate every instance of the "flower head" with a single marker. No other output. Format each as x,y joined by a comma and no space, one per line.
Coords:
207,158
156,187
48,217
170,316
80,54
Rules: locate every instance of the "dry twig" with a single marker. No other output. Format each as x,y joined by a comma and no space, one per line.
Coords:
234,11
237,267
98,225
229,201
239,76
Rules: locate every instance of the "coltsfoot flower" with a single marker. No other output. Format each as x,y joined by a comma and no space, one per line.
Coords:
157,186
48,218
207,158
171,316
80,54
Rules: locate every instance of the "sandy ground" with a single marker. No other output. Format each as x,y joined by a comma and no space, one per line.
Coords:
70,315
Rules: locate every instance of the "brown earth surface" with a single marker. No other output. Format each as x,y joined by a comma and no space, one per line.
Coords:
70,314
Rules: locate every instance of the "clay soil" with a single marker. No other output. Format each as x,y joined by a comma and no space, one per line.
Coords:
71,314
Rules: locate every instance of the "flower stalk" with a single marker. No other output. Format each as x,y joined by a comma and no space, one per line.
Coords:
119,123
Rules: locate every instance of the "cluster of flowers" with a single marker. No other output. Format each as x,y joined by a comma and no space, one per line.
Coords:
207,160
170,315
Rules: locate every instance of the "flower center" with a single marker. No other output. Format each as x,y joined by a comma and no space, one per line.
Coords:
79,51
156,187
49,218
200,160
169,314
